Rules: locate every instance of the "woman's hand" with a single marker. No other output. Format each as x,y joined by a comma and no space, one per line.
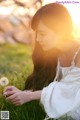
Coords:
9,90
17,96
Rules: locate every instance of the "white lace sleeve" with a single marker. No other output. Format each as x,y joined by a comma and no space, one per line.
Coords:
62,97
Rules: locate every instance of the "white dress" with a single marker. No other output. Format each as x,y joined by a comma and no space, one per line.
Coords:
61,98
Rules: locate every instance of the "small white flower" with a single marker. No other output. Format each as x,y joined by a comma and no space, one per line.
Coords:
4,81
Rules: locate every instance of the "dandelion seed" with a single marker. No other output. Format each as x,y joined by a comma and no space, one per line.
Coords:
4,81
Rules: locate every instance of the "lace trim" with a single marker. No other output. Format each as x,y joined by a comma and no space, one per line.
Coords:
75,55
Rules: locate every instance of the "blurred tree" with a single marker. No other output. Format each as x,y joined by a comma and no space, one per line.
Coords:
21,13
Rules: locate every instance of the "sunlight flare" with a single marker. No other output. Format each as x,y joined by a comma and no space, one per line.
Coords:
74,10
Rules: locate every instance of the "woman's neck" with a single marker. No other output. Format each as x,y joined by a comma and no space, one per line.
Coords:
68,52
67,45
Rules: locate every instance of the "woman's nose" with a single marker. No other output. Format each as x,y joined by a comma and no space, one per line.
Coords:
38,40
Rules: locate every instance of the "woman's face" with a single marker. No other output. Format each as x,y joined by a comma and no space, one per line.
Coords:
46,37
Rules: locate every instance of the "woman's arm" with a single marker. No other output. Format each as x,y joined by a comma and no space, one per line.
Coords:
35,95
19,97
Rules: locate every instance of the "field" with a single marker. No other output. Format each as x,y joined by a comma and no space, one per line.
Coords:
16,65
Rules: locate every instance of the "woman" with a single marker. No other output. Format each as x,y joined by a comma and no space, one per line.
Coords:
59,53
45,61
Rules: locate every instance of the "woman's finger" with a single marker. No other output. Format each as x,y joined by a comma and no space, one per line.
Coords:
12,97
8,93
16,103
8,88
14,100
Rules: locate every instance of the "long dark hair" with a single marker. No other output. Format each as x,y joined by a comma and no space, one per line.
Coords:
45,62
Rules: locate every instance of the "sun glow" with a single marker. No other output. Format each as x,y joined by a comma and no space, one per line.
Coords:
74,9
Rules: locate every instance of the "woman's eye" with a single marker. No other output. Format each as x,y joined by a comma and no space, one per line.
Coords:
42,34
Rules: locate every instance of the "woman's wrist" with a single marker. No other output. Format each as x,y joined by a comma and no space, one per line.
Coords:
36,95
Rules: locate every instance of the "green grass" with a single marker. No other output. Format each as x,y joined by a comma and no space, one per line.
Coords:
16,65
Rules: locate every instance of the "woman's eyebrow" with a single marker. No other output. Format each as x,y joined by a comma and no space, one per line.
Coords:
40,31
